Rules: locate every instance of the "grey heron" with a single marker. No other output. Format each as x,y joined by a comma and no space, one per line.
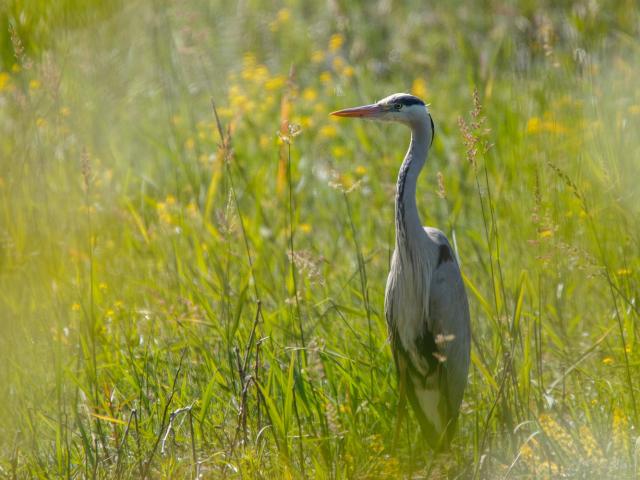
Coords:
426,306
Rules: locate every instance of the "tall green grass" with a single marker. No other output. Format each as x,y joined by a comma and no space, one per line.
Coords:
193,290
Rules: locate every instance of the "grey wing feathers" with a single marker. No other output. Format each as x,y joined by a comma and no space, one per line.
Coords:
449,319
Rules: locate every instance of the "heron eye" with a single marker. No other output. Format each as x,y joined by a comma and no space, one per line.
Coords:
397,106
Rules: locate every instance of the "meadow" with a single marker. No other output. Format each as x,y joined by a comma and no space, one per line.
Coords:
193,254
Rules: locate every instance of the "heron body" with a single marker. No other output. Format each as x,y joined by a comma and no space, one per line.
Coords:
426,305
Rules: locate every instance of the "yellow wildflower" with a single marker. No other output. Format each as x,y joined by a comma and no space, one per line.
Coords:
260,74
75,307
633,109
325,77
65,112
171,200
623,272
304,121
348,71
328,131
545,233
537,125
15,68
34,84
361,170
533,125
103,286
317,56
335,42
305,227
237,99
4,80
419,88
274,83
309,94
41,122
284,14
607,360
338,151
190,143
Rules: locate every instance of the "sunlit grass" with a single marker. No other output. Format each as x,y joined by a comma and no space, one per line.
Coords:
153,259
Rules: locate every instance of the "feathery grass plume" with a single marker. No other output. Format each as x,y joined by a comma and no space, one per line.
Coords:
546,36
332,417
474,134
442,192
18,48
315,367
343,182
308,265
288,131
226,218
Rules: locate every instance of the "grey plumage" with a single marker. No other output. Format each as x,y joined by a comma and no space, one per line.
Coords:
426,305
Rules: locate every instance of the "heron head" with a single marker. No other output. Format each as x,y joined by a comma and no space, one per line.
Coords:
399,107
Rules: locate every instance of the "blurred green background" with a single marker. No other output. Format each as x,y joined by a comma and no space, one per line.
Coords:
177,305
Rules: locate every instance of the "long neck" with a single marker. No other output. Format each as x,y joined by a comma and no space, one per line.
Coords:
408,222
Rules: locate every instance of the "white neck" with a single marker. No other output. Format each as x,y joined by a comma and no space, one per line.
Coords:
408,224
